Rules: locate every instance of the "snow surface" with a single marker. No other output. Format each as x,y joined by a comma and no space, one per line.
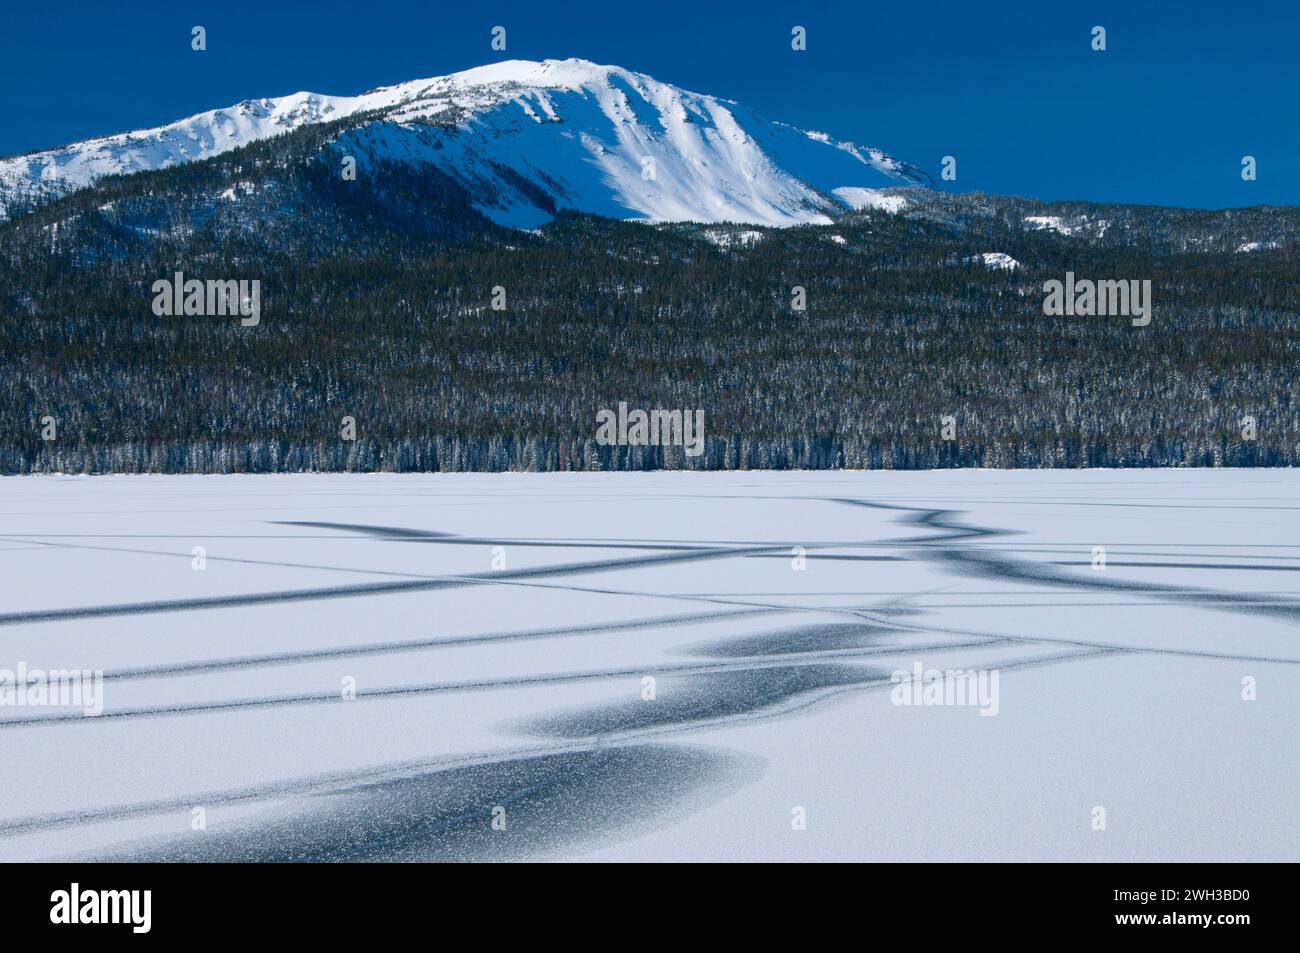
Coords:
1080,224
727,239
872,198
521,686
1050,223
581,132
995,259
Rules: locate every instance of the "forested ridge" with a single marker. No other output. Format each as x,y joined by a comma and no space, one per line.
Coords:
376,305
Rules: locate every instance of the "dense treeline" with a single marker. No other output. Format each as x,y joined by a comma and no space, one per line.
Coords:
376,305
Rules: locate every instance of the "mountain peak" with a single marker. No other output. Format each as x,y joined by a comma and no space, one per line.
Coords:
527,137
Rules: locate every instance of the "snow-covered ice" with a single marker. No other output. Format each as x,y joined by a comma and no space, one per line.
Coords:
499,631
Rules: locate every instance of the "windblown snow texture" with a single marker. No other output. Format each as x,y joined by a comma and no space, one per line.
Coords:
648,674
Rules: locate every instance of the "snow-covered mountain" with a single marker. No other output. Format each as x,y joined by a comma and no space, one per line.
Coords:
525,139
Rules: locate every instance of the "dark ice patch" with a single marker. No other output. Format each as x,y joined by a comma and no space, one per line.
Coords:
683,700
793,641
551,803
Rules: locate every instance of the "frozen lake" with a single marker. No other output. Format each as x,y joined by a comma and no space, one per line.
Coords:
666,666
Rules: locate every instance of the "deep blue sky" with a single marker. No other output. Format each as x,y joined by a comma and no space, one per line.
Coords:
1011,88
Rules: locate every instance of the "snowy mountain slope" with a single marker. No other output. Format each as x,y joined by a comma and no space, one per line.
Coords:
525,139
